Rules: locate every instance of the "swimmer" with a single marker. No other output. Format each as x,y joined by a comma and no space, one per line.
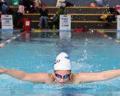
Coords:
62,73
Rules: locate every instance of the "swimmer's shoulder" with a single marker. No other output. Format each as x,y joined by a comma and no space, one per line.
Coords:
75,78
51,78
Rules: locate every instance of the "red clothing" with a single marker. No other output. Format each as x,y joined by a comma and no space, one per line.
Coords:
26,25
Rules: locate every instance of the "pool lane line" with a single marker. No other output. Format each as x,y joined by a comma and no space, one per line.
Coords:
101,33
4,43
117,41
106,36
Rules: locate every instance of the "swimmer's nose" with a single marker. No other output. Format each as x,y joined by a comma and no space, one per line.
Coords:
61,80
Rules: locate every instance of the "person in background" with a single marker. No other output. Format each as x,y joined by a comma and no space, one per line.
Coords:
93,4
117,8
97,3
43,23
29,6
60,3
62,73
68,4
26,29
100,3
17,20
21,8
112,17
18,16
0,8
37,4
4,7
55,18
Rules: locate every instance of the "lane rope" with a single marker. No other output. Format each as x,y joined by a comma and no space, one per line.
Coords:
4,43
105,35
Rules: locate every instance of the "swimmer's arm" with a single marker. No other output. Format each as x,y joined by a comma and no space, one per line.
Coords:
2,45
99,76
32,77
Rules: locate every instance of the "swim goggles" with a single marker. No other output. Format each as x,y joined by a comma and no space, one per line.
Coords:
66,76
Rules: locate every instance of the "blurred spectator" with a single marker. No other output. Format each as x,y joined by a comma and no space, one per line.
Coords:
37,3
4,7
114,13
18,16
60,3
112,17
100,2
55,18
104,17
63,3
68,4
17,20
43,23
26,33
29,5
0,7
93,4
113,10
117,7
21,8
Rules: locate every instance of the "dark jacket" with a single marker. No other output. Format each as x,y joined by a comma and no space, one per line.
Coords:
43,12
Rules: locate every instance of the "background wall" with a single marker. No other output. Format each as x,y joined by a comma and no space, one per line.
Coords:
82,2
76,2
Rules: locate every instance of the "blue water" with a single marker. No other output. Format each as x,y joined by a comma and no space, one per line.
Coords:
87,54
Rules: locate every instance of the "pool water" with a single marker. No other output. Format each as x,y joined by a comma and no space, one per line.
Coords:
91,53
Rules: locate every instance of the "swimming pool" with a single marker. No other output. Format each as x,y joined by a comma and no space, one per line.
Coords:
88,53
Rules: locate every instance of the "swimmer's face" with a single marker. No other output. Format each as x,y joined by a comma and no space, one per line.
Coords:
62,76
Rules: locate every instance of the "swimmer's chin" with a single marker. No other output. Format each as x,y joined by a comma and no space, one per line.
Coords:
63,83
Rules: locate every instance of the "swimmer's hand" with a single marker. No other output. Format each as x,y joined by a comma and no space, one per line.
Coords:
2,45
2,70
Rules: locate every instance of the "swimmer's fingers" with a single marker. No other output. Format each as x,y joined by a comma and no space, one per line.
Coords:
2,70
2,45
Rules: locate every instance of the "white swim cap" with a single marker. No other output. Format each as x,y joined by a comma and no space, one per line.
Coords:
61,56
62,62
